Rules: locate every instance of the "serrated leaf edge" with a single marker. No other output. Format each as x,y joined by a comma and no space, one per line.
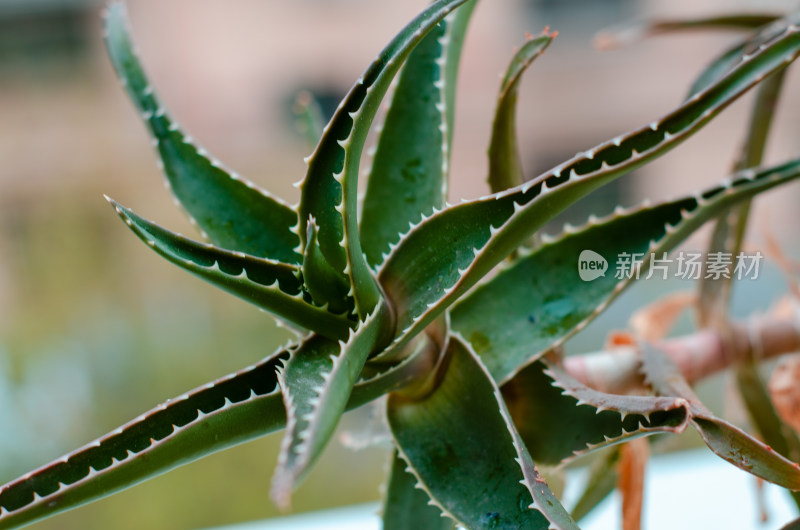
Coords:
726,188
174,127
299,443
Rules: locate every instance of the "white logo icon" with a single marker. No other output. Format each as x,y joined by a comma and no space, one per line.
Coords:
591,265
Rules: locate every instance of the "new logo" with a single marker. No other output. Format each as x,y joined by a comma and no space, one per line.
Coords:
591,265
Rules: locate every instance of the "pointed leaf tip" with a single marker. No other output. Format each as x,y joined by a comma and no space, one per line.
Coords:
270,285
233,212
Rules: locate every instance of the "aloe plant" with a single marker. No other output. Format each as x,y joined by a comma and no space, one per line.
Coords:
401,296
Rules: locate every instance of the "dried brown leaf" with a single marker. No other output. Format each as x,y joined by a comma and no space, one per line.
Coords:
631,471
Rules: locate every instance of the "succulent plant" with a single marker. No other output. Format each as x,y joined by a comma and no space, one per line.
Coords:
402,296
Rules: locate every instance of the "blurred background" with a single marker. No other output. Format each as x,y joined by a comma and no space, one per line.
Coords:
95,328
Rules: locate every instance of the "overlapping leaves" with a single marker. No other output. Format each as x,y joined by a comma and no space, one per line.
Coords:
316,267
540,301
727,441
449,252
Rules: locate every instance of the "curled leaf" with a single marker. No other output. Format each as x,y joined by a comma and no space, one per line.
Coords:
727,441
505,169
559,418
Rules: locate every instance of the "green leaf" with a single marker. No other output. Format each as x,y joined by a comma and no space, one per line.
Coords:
301,382
601,482
325,286
457,27
232,212
406,375
540,301
729,229
406,507
330,188
309,115
505,169
727,441
232,410
720,66
269,285
449,252
559,418
461,445
317,384
213,417
725,62
762,414
631,33
409,173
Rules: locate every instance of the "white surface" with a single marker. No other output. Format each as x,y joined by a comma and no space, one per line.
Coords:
688,491
697,491
359,517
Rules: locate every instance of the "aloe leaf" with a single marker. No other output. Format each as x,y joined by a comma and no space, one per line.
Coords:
458,22
408,373
745,452
727,441
216,416
600,483
505,169
764,417
325,286
726,61
763,414
317,384
462,447
631,33
411,164
726,239
727,236
540,301
729,230
720,66
301,382
449,252
406,506
330,188
233,409
309,115
560,418
232,212
270,285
